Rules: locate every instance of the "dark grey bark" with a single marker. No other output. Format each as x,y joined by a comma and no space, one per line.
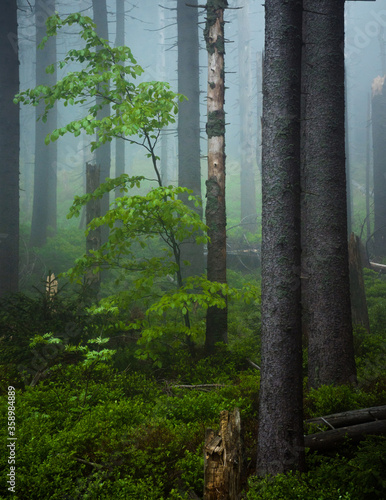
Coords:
247,138
379,167
280,436
189,168
45,174
326,297
103,153
9,150
119,42
215,214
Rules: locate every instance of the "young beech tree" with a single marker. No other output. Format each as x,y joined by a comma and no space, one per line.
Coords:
280,436
138,115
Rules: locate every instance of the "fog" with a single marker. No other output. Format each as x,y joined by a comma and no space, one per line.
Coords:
151,33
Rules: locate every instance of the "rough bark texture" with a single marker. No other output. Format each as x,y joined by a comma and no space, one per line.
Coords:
189,169
359,312
119,42
327,310
9,151
103,153
216,319
223,459
247,138
45,174
93,238
280,437
379,166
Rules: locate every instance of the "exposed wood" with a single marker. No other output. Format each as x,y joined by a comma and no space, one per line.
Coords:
359,312
378,267
328,440
347,418
223,459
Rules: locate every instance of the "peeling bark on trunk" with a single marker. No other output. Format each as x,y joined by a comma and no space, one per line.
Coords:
9,151
216,319
189,169
326,301
45,174
280,436
379,169
223,459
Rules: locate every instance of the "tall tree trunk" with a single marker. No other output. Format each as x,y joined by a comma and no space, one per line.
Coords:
247,168
103,153
216,319
189,168
119,42
45,175
379,167
9,151
368,168
280,436
327,307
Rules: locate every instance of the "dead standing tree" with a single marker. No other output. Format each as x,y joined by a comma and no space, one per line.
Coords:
216,319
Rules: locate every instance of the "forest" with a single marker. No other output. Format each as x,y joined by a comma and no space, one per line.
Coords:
193,249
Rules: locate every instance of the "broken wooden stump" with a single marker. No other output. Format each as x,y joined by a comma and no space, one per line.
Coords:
223,459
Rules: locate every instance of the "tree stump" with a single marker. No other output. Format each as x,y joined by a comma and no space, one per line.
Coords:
223,459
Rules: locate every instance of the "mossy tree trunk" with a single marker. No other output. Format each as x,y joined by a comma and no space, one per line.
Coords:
93,239
280,435
327,309
44,209
189,169
9,151
216,319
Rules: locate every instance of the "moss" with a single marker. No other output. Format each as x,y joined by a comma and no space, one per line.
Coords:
216,124
212,7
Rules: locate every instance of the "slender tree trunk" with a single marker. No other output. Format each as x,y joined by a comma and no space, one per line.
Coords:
368,168
9,151
247,167
93,239
280,436
119,42
379,168
216,319
103,153
189,168
325,248
348,170
45,174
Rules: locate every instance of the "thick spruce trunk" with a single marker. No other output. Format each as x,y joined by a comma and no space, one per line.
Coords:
326,298
216,319
280,436
45,174
189,169
9,151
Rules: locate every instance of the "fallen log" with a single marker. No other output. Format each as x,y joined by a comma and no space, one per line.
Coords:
378,267
353,417
323,441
